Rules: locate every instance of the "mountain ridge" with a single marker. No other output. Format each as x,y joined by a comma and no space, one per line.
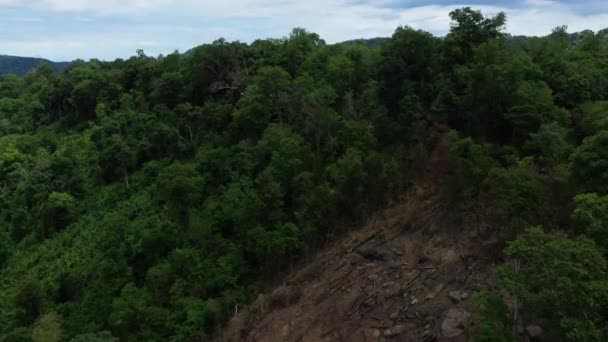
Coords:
20,66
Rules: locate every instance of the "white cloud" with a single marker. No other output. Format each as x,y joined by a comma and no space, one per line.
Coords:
99,6
180,24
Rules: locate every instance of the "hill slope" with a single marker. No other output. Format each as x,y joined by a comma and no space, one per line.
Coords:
405,276
22,65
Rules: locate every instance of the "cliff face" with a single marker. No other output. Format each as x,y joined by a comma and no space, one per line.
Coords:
407,275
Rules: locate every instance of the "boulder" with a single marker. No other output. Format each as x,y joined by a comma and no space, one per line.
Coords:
534,330
378,253
455,296
455,322
394,331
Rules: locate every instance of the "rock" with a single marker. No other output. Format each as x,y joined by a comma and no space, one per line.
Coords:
454,323
427,335
284,296
376,333
394,331
520,327
286,330
534,330
376,253
465,296
493,241
353,258
434,292
455,296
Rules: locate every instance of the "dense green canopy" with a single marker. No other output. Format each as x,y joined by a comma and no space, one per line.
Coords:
143,199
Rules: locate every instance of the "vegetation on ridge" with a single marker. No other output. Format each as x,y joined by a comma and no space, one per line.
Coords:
143,199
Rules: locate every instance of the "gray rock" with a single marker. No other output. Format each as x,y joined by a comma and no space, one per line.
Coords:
376,253
454,323
376,333
455,296
534,330
465,296
394,331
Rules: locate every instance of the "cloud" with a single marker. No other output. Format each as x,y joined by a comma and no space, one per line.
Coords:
98,6
66,29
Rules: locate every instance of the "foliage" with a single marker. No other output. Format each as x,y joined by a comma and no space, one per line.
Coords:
494,318
47,329
143,199
591,216
590,162
561,279
516,195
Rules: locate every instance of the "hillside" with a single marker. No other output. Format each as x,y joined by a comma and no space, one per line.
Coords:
400,277
22,65
430,188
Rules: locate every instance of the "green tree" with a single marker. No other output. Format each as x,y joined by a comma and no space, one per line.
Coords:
533,107
494,319
594,117
549,146
181,187
56,213
469,28
590,163
561,279
591,215
47,328
516,195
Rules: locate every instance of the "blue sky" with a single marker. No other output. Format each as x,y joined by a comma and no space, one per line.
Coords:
107,29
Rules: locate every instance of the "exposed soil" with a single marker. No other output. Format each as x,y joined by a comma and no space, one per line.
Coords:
394,279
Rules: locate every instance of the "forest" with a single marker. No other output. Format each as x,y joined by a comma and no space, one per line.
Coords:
143,199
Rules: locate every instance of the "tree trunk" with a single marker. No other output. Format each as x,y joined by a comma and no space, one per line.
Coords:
126,178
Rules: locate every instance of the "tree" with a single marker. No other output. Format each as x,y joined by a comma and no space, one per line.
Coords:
494,319
5,247
594,117
117,158
561,279
550,145
56,213
167,89
82,88
469,28
47,328
28,301
181,187
297,48
104,336
408,68
590,163
267,100
533,106
516,195
283,240
591,216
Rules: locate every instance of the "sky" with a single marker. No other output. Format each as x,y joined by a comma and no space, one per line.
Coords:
63,30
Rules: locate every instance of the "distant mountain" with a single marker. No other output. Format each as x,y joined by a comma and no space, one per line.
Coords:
22,65
371,42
